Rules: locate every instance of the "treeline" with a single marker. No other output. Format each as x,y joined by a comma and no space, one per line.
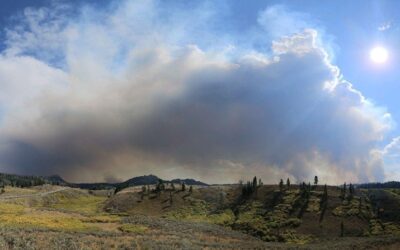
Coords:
20,181
29,181
95,186
390,184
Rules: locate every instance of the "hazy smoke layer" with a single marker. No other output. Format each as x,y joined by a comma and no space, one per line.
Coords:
121,92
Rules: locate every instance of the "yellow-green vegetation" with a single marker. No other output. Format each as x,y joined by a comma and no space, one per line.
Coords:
133,228
273,225
251,220
86,204
377,227
353,207
67,210
47,220
8,190
199,211
290,236
102,218
394,192
314,202
11,208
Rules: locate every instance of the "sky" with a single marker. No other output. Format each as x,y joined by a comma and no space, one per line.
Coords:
219,91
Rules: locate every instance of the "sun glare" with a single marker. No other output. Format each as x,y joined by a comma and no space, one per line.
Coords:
379,55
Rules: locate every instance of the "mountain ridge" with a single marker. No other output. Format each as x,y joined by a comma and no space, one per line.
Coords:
32,180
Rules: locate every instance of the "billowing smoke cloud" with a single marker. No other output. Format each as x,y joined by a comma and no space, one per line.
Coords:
391,158
123,94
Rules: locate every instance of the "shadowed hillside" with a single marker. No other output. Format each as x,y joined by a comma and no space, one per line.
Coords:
296,214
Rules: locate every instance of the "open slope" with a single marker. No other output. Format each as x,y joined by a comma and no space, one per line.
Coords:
270,214
213,217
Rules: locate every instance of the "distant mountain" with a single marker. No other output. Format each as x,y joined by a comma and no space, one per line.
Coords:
142,180
189,182
152,180
135,181
27,181
55,180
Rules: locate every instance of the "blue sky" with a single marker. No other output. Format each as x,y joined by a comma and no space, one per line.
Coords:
127,86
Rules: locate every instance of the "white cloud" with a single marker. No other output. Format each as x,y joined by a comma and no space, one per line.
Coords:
385,26
391,157
133,98
278,21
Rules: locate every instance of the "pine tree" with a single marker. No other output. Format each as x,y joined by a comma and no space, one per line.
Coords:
183,188
288,183
324,203
343,192
316,180
190,189
254,183
351,191
281,185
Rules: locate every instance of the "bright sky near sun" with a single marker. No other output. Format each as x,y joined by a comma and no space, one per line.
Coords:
114,63
379,55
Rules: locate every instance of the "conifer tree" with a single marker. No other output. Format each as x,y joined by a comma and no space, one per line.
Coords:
254,183
316,180
281,185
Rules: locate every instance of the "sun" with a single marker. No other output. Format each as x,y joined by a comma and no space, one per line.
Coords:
379,55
